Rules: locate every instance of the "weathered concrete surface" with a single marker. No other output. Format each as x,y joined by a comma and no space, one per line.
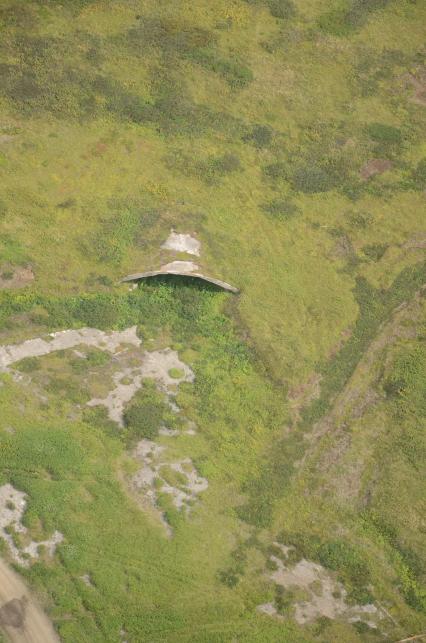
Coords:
21,618
155,365
12,506
151,478
325,595
67,339
184,269
182,243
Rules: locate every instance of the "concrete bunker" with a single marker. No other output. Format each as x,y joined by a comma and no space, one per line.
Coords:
182,269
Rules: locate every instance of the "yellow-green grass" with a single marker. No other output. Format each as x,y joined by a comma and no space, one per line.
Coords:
250,130
62,177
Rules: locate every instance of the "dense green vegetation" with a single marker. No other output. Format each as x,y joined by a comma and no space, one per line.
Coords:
288,136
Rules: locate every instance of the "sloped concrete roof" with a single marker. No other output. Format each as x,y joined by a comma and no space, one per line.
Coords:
184,269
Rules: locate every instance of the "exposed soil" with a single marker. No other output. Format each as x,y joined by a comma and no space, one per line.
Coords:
417,242
16,278
21,618
418,82
300,396
373,167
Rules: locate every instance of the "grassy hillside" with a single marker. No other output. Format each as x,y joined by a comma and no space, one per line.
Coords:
288,135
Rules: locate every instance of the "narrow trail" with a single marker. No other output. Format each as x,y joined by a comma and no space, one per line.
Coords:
21,618
358,394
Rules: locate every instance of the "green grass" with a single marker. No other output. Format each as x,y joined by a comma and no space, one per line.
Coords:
249,124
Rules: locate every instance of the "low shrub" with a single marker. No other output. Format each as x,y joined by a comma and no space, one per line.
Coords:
234,72
28,364
418,176
228,578
260,136
145,414
276,171
382,133
97,357
172,37
71,389
3,210
283,9
97,416
281,208
313,178
342,557
350,17
216,167
375,251
68,203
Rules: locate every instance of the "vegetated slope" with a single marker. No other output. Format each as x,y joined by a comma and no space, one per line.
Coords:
288,136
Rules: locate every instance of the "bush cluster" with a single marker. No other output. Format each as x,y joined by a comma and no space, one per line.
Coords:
145,414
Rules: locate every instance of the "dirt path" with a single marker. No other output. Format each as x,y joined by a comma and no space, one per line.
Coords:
329,440
354,397
21,618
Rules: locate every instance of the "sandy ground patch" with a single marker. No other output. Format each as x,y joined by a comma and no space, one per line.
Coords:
21,618
12,507
182,243
65,339
326,596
